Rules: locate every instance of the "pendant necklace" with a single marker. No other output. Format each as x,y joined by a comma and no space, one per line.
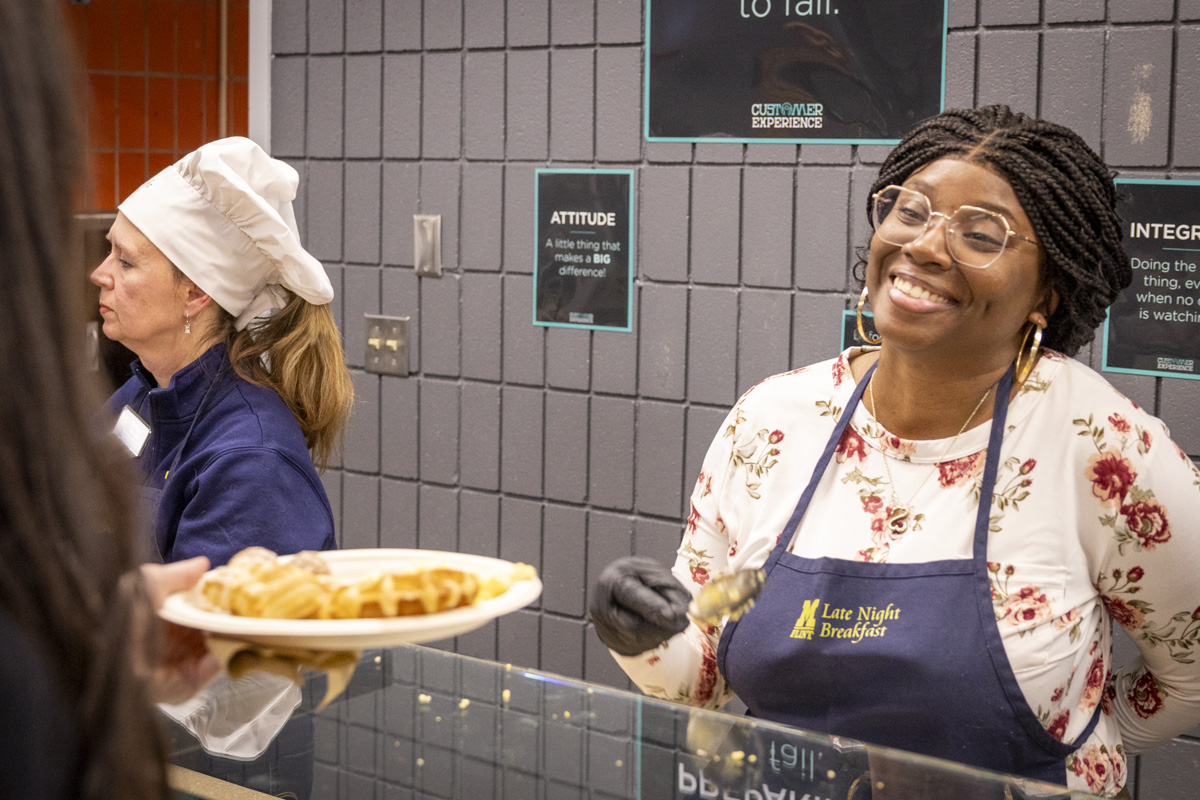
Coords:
901,515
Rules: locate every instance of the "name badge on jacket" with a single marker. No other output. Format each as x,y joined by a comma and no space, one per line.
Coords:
132,430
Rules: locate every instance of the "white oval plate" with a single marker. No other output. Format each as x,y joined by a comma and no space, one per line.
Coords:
356,634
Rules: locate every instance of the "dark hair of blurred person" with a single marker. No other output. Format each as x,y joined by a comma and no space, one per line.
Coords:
75,720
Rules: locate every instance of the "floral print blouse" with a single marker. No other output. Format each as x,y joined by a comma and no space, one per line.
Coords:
1093,519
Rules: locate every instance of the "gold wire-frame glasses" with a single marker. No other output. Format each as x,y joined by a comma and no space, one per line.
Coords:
975,236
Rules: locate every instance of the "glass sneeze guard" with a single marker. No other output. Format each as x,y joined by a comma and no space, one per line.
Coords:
417,722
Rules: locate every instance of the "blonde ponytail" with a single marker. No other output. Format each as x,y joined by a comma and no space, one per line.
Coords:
303,349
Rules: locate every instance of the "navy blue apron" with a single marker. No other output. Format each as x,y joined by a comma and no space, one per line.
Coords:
903,655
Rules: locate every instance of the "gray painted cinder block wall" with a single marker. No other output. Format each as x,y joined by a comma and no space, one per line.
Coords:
565,448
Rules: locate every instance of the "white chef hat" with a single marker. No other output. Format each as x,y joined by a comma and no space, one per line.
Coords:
223,215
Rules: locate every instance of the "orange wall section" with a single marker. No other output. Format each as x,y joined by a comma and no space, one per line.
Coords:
152,73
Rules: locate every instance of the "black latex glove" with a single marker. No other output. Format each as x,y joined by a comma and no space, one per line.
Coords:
637,604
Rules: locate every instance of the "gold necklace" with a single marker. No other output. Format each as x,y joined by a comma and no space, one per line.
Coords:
900,517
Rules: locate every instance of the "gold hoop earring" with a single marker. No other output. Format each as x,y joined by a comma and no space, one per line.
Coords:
1022,370
862,299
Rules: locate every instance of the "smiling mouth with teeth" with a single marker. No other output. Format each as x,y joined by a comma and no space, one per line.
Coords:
919,293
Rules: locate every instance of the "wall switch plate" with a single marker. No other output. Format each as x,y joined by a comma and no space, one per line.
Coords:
387,345
427,245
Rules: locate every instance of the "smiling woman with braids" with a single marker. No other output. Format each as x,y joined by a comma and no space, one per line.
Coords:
949,522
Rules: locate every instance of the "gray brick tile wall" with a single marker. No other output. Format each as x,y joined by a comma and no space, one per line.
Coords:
528,23
703,425
610,465
1141,10
1137,96
663,223
399,404
573,22
331,479
441,193
1074,10
619,21
364,26
562,645
826,154
1010,12
743,267
719,153
522,431
1008,69
326,26
439,431
323,209
572,116
398,514
820,231
326,92
360,510
360,296
483,105
767,226
566,435
668,152
441,106
336,274
402,105
524,343
962,14
438,510
402,24
1186,105
764,341
658,460
288,106
771,154
961,55
564,560
1071,96
528,99
481,314
663,355
521,531
479,523
289,28
363,187
518,228
444,26
401,296
715,231
712,345
568,358
364,81
484,26
618,104
362,433
440,325
614,361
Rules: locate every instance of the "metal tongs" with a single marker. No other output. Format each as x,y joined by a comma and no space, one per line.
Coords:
730,595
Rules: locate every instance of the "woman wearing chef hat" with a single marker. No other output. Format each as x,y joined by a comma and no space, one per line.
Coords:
239,386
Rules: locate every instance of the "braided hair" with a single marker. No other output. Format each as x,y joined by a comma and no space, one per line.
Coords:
1064,188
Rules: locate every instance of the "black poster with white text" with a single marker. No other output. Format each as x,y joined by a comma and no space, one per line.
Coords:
858,71
583,271
1153,328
